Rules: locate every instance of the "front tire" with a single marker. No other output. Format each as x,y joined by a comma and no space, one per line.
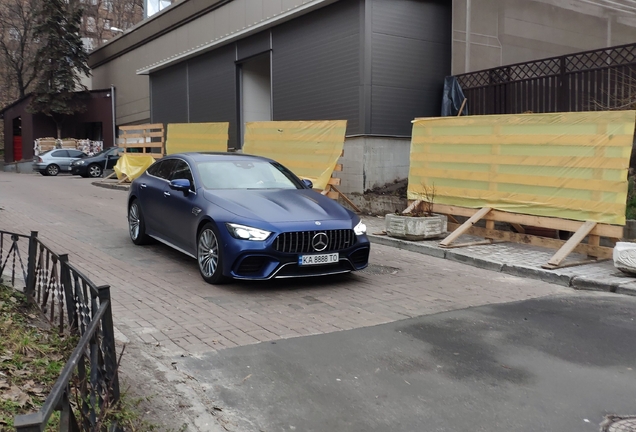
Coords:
52,170
94,171
210,255
136,224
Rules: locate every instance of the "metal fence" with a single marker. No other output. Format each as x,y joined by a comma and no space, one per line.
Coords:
74,305
586,81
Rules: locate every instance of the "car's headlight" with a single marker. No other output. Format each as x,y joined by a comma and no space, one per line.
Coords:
78,163
247,233
360,228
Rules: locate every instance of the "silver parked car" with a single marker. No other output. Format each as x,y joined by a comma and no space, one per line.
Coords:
53,162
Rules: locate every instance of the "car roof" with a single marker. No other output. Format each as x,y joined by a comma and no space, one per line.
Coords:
218,156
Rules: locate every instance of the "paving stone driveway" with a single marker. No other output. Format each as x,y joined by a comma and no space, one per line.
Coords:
159,297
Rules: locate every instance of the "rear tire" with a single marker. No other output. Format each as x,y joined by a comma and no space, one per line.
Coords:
52,170
210,255
136,224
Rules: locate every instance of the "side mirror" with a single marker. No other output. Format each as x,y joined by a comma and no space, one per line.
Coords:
308,183
182,185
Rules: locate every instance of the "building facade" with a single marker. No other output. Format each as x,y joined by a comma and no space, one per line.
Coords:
376,63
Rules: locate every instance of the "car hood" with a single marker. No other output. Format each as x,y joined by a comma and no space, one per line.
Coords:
278,205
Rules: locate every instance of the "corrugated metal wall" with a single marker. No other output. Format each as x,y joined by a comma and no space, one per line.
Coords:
316,66
199,90
375,63
169,95
212,88
411,55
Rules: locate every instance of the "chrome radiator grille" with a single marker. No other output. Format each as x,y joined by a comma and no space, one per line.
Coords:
301,241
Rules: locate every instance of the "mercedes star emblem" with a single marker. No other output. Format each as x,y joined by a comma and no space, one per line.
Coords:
320,242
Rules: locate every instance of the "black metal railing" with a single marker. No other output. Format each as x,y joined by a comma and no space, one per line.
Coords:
587,81
74,305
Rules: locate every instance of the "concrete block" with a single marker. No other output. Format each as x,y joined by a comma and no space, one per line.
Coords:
473,261
422,248
537,273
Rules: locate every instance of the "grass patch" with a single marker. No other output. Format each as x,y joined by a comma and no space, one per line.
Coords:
32,355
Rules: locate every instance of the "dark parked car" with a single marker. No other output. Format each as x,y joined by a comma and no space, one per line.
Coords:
92,166
244,217
55,161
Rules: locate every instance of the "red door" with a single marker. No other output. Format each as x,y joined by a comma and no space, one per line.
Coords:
17,148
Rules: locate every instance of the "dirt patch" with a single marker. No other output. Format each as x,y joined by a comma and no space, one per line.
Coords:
398,188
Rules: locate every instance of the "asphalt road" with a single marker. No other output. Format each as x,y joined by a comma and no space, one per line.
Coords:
551,364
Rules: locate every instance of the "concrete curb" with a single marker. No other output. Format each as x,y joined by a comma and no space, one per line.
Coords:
111,186
407,245
575,282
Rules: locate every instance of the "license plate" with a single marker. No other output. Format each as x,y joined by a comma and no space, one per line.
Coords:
305,260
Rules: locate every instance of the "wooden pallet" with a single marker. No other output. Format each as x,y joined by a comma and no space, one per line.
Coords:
581,230
144,138
331,191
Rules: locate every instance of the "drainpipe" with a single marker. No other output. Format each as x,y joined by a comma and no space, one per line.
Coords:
468,34
112,107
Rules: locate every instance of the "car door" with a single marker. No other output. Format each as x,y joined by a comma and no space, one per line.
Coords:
112,157
178,209
61,159
151,196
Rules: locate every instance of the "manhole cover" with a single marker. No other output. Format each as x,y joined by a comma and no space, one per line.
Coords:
619,424
377,269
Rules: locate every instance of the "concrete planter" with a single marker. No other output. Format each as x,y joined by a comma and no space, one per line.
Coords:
415,228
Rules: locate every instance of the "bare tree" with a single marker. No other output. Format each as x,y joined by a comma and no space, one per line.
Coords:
18,47
105,19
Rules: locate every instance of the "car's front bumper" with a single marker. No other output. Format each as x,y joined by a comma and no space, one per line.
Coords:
79,169
268,263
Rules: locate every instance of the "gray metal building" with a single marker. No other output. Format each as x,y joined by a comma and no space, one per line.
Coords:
376,63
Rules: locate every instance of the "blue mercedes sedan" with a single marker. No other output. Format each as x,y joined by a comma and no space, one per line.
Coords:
244,217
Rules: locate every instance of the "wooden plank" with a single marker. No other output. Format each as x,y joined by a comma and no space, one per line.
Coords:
338,167
574,241
575,263
142,126
465,226
601,252
602,230
462,107
333,195
334,181
518,228
127,135
475,243
326,191
347,200
412,206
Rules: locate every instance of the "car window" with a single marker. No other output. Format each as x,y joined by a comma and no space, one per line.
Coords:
76,153
165,169
246,174
60,153
154,169
181,170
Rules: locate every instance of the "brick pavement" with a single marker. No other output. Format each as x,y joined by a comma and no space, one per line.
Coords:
159,297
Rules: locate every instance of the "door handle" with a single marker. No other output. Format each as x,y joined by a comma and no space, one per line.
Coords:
166,194
143,185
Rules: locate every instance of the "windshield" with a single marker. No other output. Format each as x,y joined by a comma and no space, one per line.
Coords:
238,174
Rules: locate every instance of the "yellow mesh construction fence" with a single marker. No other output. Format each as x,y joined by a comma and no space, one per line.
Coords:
566,165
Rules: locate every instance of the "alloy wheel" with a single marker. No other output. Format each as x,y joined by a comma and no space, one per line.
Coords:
208,252
133,221
52,170
94,171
